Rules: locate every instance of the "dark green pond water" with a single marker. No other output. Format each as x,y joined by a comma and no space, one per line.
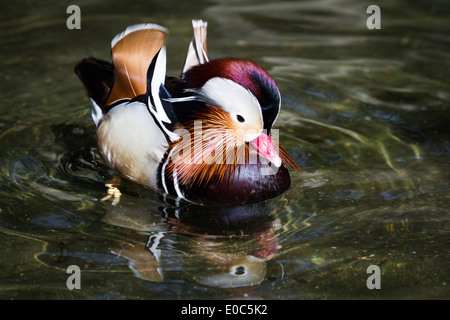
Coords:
365,113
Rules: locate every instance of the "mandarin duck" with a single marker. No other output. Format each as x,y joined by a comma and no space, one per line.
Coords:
205,136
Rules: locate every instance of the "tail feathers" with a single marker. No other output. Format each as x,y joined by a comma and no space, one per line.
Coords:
132,51
158,95
97,76
197,52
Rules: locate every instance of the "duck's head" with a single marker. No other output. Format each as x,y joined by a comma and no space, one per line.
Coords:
238,97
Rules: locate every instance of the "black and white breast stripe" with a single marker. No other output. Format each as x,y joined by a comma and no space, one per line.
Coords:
157,95
167,181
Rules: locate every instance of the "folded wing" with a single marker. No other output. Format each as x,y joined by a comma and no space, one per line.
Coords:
197,52
132,52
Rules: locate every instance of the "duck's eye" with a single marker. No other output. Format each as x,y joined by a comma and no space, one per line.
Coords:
240,118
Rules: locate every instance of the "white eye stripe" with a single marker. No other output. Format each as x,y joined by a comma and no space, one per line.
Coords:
232,97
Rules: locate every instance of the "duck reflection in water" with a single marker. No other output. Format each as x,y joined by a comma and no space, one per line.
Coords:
226,247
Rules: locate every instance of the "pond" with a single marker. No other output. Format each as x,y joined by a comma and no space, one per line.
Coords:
365,114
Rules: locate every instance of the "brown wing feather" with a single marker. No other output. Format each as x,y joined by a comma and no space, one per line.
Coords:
132,55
